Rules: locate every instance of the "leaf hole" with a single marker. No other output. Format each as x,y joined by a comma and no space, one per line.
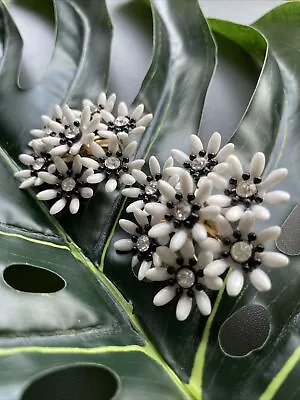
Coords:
31,279
245,331
74,382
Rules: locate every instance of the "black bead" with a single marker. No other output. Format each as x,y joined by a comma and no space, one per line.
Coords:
76,123
246,268
258,199
179,291
202,153
154,197
192,262
227,192
125,159
190,197
171,270
108,153
259,248
225,254
62,141
139,229
158,177
58,120
69,143
33,173
53,134
257,180
211,155
179,260
168,217
200,273
141,196
246,176
178,196
149,178
170,204
233,181
226,241
177,224
140,257
193,217
125,168
119,154
133,239
213,163
190,293
192,157
147,227
254,261
247,203
234,200
186,164
171,282
188,224
198,286
69,172
148,257
237,234
195,207
67,126
251,236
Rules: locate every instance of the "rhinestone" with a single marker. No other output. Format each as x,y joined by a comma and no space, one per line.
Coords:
182,210
198,163
241,251
185,278
143,243
38,164
68,184
151,188
245,189
121,121
112,163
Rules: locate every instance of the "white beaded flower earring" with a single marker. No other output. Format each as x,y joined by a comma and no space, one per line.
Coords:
198,222
78,149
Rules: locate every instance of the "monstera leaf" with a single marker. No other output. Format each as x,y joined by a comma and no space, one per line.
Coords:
74,321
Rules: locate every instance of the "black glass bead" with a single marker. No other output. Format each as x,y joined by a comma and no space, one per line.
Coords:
192,262
119,154
62,141
245,176
258,199
125,159
171,270
211,155
259,248
202,153
188,224
170,204
195,207
76,123
158,177
186,164
147,227
234,200
225,254
177,224
168,217
179,260
179,291
233,181
69,143
190,293
190,197
139,229
198,286
108,153
251,236
133,239
237,234
226,241
171,282
200,273
192,157
247,203
178,196
257,180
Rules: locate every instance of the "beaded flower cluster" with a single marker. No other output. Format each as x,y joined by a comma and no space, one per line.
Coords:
194,217
195,220
78,149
